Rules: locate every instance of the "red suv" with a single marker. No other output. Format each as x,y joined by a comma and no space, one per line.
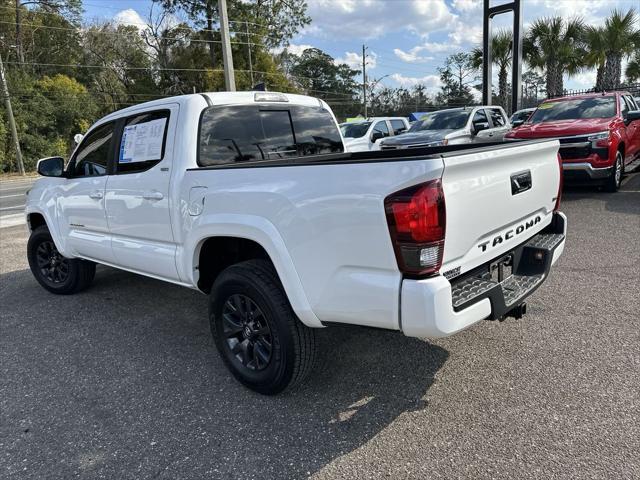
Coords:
599,135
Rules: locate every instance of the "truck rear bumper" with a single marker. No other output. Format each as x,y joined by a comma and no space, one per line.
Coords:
436,307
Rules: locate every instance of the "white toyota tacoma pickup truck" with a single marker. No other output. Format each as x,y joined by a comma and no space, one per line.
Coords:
250,198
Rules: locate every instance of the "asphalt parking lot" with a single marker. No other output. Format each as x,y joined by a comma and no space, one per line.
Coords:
123,381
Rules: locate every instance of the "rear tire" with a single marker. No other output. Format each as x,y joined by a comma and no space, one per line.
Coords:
58,274
612,183
258,336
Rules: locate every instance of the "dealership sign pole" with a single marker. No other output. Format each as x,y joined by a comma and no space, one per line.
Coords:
516,52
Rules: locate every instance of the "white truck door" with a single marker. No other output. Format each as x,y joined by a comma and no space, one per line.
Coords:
482,127
137,194
82,219
499,122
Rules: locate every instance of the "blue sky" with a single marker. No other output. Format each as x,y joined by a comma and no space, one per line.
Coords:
407,39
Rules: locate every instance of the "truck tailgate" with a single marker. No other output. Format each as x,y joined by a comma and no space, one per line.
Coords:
495,200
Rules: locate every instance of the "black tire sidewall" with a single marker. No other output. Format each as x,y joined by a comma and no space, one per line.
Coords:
611,184
70,285
278,373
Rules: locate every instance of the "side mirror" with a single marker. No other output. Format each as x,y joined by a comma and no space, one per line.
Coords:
479,126
376,136
51,167
632,116
517,123
77,138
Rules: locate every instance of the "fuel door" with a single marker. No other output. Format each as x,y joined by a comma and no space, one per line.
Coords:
196,200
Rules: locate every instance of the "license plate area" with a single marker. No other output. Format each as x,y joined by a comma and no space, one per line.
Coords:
501,269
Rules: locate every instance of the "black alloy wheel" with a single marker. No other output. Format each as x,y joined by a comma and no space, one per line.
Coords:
247,332
53,266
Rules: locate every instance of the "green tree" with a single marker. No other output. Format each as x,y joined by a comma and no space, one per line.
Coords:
69,9
317,73
620,37
632,72
596,54
457,75
533,86
271,22
501,43
555,46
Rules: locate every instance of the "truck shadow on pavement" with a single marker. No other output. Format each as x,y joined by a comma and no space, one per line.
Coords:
123,381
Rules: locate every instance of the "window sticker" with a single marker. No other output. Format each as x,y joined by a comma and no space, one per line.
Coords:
544,106
142,142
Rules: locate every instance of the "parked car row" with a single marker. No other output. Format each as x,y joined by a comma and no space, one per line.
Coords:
365,135
599,133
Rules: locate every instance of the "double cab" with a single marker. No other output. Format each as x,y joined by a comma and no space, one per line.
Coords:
250,198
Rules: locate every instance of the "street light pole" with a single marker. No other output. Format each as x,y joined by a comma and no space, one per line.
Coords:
12,122
364,80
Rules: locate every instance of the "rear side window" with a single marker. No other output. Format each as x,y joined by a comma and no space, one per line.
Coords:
143,142
249,133
496,117
398,126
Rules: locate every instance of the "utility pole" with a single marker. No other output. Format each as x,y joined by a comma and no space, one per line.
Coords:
19,34
246,26
12,122
227,56
364,80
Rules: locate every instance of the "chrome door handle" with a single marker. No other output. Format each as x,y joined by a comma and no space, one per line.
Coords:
96,195
152,195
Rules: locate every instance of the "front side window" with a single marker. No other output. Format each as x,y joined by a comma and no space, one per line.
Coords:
496,117
237,134
381,127
143,142
398,126
92,157
581,108
623,106
480,117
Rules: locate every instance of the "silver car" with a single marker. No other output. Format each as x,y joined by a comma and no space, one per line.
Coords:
453,126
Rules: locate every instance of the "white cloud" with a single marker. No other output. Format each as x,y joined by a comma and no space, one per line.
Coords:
366,19
432,82
467,5
292,48
130,17
413,55
354,60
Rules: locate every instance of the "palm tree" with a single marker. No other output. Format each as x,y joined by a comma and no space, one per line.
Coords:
557,47
596,53
620,37
633,67
501,43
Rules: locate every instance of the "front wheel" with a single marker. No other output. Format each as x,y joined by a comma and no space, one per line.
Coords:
612,184
54,272
257,334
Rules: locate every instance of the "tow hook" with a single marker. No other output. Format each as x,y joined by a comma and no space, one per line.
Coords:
518,312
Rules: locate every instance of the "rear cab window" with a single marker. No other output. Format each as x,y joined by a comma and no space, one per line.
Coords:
251,133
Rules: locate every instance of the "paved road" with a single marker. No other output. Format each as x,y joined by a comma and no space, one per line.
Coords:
123,381
12,199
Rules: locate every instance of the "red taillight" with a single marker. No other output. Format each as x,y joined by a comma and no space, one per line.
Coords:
559,197
417,222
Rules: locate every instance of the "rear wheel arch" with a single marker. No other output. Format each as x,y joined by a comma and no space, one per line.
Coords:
219,252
